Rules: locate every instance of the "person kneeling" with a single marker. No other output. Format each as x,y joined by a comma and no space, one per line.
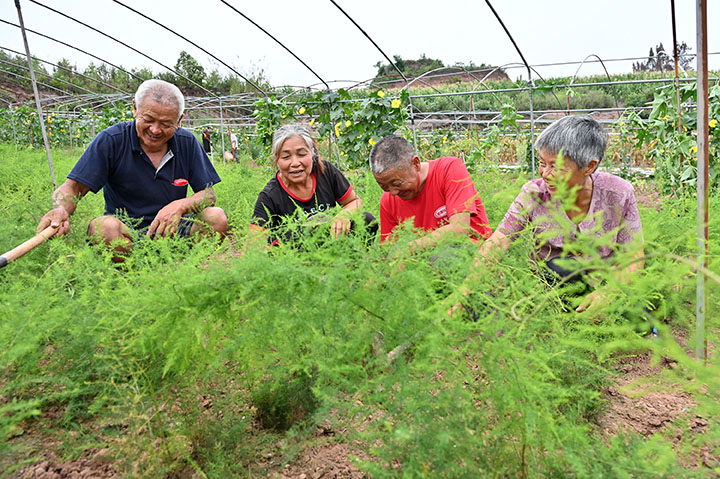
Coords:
438,195
144,168
570,150
306,183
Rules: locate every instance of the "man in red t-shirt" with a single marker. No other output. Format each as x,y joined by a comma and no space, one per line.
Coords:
439,195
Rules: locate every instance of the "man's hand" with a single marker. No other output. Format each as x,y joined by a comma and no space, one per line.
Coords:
167,219
592,301
57,218
65,199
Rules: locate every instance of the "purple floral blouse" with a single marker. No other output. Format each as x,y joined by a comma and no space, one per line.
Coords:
613,202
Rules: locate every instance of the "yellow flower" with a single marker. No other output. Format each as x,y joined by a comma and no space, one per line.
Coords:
713,123
78,135
693,160
312,122
301,111
622,123
396,103
371,142
53,114
62,130
444,139
337,129
693,149
381,94
347,123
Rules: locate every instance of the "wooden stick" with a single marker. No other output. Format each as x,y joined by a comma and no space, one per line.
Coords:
27,246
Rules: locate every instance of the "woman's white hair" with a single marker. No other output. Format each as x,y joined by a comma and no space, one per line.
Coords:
161,92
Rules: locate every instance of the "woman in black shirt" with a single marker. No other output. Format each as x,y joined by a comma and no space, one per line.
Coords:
304,182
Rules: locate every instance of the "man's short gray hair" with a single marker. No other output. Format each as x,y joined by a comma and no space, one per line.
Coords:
161,92
389,153
579,137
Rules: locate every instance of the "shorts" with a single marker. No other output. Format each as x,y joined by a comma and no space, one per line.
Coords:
183,229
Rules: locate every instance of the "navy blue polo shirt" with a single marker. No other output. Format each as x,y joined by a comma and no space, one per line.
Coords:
115,162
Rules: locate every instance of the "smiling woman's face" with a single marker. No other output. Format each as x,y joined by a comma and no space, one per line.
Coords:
295,161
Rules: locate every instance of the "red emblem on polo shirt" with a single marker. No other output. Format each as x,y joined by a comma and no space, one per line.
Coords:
180,182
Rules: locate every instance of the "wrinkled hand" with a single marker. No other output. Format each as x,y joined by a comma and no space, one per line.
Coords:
167,220
592,301
340,227
57,218
465,293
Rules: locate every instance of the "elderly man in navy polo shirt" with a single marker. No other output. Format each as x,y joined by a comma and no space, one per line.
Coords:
144,168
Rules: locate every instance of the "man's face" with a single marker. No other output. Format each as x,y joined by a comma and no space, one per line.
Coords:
155,123
403,182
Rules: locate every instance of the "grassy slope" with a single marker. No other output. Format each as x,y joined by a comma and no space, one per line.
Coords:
128,358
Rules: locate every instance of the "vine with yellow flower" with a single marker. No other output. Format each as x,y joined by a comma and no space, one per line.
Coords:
674,147
353,124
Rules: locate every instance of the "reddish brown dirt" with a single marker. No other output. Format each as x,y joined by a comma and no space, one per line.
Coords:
94,465
328,461
635,406
643,412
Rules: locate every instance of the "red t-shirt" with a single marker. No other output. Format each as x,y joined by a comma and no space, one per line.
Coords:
448,190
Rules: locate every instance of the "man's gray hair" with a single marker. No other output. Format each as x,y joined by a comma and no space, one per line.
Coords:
579,137
389,153
161,92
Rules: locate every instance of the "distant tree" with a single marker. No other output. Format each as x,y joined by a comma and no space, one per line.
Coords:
64,73
187,66
660,60
399,63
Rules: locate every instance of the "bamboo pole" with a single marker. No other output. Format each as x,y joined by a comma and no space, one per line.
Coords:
27,246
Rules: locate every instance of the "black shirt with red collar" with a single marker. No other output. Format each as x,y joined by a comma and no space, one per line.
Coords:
276,203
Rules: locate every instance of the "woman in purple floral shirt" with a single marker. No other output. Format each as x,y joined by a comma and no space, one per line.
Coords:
570,150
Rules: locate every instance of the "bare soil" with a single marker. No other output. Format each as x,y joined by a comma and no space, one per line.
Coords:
635,403
92,465
327,461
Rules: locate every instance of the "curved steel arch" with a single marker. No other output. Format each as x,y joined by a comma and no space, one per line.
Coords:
75,48
123,44
67,69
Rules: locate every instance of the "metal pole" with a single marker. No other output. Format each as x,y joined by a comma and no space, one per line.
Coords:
37,95
407,83
532,126
222,130
677,77
702,179
530,80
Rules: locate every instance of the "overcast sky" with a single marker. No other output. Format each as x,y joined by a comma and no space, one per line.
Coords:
547,31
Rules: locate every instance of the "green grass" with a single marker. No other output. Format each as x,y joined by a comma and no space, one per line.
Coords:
128,357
